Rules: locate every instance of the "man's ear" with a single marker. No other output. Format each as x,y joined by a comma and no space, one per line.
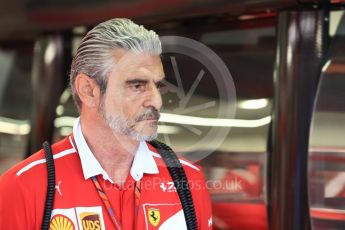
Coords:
88,90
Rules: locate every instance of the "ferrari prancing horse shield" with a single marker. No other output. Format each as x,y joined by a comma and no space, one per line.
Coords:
154,216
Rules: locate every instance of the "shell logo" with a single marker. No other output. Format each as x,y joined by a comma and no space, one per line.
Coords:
60,222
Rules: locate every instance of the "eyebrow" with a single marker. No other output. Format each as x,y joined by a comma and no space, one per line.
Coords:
136,81
140,80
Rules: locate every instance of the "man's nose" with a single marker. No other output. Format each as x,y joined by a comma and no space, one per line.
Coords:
153,98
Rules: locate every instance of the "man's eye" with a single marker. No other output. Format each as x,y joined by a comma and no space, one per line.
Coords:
160,85
138,86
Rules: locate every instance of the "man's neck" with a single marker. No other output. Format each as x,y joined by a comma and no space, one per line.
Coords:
114,152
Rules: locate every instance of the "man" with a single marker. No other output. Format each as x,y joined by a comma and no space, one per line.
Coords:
107,175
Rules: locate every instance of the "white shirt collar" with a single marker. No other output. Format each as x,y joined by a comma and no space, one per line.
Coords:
143,161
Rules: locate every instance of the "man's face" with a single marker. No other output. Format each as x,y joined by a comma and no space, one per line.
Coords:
132,100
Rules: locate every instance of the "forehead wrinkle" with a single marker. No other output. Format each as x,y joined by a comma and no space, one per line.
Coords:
143,64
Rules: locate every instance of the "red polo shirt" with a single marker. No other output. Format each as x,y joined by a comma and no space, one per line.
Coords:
77,204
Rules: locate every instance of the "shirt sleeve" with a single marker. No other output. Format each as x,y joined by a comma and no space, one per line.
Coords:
16,209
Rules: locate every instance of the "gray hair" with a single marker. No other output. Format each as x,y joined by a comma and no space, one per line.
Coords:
94,54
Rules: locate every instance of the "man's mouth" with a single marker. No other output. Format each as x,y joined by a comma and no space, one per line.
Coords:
150,119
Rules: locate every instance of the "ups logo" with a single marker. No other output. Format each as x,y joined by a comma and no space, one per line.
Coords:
90,221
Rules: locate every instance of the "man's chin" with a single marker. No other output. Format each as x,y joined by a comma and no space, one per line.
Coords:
144,136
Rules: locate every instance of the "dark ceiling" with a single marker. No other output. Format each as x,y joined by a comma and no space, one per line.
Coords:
25,19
